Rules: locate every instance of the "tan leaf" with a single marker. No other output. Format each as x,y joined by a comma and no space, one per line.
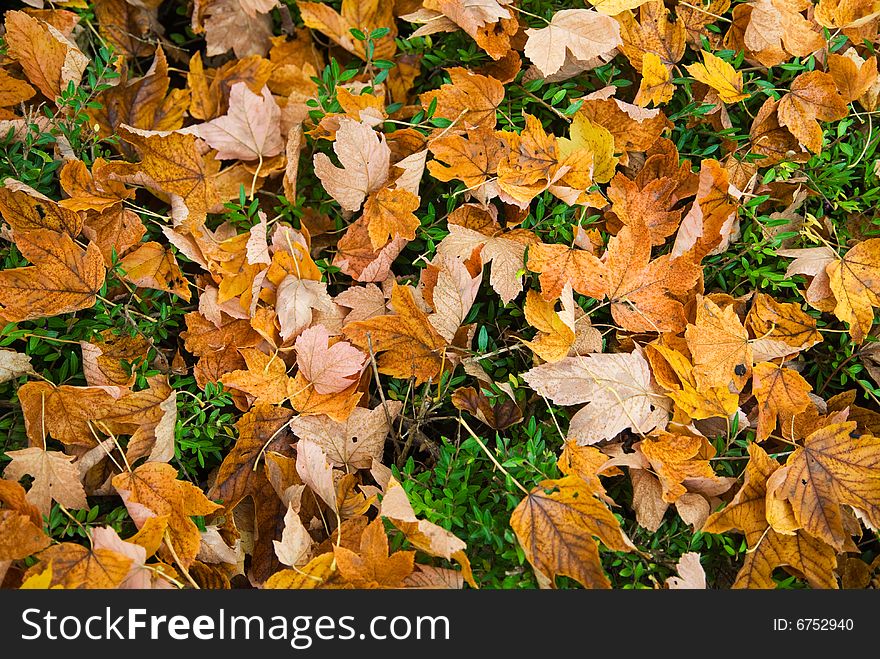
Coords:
453,295
616,387
250,129
55,478
365,159
352,444
363,301
229,25
690,574
294,548
812,261
426,536
13,365
297,300
505,254
315,470
586,34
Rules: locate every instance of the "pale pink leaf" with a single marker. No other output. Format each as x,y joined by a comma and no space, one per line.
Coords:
505,255
295,301
330,368
250,130
454,295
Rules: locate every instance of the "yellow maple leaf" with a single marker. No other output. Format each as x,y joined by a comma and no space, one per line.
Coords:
720,76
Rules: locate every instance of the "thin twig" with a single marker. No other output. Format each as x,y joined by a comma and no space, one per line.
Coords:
176,558
491,457
379,387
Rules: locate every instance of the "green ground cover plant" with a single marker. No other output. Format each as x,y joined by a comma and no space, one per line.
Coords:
435,293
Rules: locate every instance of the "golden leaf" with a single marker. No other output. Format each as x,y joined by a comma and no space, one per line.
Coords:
855,281
63,277
781,393
555,524
812,97
656,85
720,76
153,489
409,344
836,467
768,549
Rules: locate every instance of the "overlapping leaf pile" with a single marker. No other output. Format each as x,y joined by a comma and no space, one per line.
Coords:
326,325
